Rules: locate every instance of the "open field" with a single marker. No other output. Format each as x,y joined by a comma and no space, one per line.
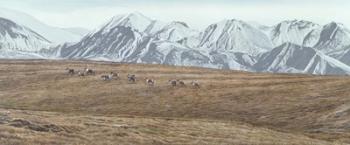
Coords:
28,127
230,107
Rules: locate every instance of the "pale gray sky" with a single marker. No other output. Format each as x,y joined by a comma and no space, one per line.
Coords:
197,13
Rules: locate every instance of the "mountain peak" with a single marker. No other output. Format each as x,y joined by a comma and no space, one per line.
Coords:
130,17
233,24
333,37
334,25
16,37
236,36
179,23
294,31
234,21
6,23
134,20
53,34
137,15
298,23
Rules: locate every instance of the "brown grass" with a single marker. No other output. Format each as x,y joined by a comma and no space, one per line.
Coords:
137,130
315,106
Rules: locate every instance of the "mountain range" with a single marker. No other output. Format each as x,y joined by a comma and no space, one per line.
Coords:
295,46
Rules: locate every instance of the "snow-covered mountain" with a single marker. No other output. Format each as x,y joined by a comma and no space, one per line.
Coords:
14,37
288,47
342,55
293,58
235,36
230,44
179,32
333,37
294,32
160,52
53,34
118,39
136,21
136,38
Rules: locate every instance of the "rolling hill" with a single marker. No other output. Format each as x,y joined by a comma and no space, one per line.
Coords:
280,105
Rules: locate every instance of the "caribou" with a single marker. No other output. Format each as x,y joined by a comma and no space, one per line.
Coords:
181,83
108,77
89,71
150,82
172,83
81,74
195,84
131,78
70,71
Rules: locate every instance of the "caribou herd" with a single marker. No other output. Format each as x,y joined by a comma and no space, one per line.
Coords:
131,78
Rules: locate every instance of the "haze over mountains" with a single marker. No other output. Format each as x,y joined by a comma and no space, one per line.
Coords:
53,34
295,46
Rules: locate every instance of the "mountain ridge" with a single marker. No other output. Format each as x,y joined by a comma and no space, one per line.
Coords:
16,37
53,34
228,44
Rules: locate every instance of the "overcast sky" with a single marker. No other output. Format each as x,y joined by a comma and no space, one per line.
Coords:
197,13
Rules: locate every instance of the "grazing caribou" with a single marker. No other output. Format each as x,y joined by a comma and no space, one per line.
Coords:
116,75
70,71
81,74
89,71
172,83
108,77
131,78
150,82
195,84
181,83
